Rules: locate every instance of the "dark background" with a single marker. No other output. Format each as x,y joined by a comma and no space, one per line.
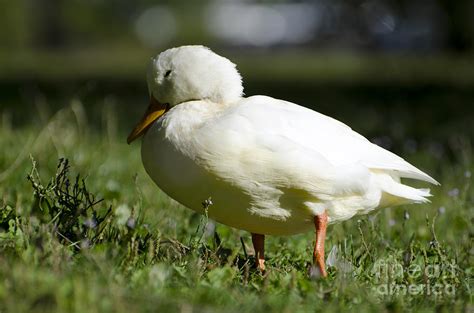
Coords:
399,72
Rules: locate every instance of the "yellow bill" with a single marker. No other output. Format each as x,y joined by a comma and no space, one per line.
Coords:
154,111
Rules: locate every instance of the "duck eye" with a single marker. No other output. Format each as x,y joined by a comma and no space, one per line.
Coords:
168,72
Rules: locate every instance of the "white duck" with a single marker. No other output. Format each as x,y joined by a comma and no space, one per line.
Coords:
271,167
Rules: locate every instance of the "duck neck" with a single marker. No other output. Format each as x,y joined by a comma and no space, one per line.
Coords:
182,120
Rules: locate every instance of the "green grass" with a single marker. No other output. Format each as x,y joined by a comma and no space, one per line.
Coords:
63,250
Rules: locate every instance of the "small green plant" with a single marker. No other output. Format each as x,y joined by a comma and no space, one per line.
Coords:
66,208
69,207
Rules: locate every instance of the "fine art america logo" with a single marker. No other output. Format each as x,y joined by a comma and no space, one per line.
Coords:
394,279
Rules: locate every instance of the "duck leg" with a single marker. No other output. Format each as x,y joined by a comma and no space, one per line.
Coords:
320,222
259,247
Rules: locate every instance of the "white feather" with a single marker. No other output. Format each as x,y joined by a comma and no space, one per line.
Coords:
269,165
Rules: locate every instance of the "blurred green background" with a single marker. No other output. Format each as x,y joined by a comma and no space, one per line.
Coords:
388,68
